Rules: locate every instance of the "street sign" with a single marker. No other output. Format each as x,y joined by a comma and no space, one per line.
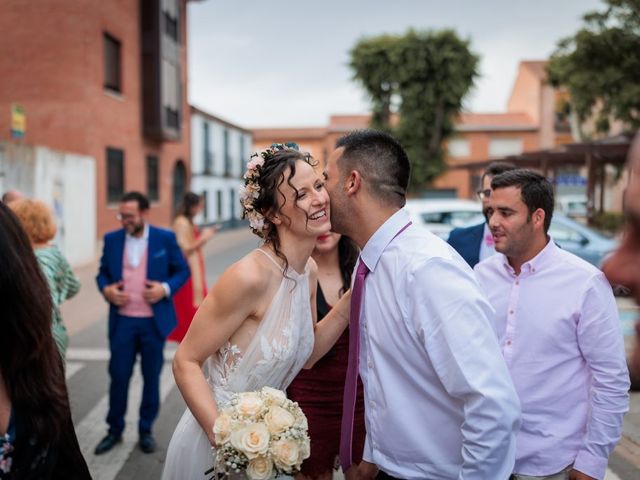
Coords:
18,121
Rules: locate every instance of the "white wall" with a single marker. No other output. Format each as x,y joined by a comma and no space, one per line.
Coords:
67,183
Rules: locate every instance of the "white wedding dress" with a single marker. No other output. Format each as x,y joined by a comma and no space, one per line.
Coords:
280,347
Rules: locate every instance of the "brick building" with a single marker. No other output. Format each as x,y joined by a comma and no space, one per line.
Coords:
106,81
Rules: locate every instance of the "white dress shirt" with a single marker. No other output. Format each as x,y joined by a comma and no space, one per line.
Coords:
438,398
136,246
561,338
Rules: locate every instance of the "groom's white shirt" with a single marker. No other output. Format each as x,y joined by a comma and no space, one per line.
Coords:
438,397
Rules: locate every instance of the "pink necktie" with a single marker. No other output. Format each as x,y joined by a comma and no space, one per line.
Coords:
351,379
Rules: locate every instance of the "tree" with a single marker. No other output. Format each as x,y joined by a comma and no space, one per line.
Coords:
423,77
600,66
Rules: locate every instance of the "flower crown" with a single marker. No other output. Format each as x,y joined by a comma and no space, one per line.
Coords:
251,191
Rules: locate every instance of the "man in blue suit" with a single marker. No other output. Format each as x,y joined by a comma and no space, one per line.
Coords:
141,267
475,243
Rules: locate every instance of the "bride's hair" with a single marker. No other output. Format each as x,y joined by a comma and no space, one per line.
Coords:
263,197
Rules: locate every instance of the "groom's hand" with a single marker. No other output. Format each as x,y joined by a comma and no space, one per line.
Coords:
362,471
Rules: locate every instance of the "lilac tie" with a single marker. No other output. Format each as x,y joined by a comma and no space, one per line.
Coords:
351,379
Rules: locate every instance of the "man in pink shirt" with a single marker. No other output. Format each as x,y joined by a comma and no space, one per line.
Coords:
558,326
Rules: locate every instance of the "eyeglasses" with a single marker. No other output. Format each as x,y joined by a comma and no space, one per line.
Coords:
125,216
485,193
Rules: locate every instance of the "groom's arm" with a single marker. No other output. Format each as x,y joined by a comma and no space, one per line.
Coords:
452,319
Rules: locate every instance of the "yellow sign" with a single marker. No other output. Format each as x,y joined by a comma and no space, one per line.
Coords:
18,121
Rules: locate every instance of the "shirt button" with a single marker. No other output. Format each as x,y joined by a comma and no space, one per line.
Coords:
517,283
508,342
370,365
510,312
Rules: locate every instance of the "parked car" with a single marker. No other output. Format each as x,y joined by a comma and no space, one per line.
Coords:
574,206
442,216
581,240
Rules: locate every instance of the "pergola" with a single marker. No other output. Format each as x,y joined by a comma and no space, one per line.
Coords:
594,155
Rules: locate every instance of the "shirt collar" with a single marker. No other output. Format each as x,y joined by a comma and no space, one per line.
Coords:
382,237
145,234
537,263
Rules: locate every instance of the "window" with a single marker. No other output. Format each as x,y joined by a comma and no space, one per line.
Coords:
458,147
112,63
115,174
208,156
243,158
219,205
502,147
170,19
171,93
153,175
205,205
227,156
563,233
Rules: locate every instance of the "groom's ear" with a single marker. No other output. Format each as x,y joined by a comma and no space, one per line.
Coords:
353,182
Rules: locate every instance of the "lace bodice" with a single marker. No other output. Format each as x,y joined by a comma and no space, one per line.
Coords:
279,348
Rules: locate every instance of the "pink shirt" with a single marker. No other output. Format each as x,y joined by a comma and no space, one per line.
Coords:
134,277
560,335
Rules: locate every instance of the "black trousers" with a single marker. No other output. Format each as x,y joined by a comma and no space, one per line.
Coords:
385,476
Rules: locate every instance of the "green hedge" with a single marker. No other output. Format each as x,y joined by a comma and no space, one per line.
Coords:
608,221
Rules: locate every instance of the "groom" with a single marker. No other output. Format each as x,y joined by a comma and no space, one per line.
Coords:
438,398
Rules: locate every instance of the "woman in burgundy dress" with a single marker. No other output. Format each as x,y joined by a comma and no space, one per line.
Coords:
191,240
319,391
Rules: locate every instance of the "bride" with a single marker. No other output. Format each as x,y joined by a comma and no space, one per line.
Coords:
257,326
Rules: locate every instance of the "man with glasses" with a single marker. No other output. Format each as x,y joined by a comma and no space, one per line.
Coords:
141,267
476,243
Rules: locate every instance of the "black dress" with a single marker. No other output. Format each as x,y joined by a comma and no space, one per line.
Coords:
22,457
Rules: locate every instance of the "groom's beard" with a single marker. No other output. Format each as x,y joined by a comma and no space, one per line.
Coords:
338,217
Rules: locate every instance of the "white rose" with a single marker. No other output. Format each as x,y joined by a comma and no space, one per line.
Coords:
278,420
285,454
260,468
301,420
273,396
222,428
304,453
252,440
249,404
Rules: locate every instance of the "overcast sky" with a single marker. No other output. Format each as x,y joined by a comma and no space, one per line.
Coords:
274,63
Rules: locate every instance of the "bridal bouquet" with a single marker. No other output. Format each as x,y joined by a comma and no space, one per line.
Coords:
261,434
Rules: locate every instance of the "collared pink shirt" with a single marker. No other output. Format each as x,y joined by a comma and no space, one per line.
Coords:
560,335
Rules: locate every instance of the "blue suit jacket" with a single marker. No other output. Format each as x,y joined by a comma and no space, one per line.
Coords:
467,242
165,263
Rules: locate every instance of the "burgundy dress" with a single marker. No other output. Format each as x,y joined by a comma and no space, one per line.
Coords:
319,392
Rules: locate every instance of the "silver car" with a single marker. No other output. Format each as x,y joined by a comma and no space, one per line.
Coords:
581,240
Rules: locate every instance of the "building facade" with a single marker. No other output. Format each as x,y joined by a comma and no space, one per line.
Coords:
529,123
105,81
220,151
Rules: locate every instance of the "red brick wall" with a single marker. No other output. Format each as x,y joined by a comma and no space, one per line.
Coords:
51,63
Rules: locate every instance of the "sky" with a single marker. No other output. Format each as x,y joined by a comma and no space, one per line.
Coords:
284,63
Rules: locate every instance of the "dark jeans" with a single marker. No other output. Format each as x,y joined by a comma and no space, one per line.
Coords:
133,336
